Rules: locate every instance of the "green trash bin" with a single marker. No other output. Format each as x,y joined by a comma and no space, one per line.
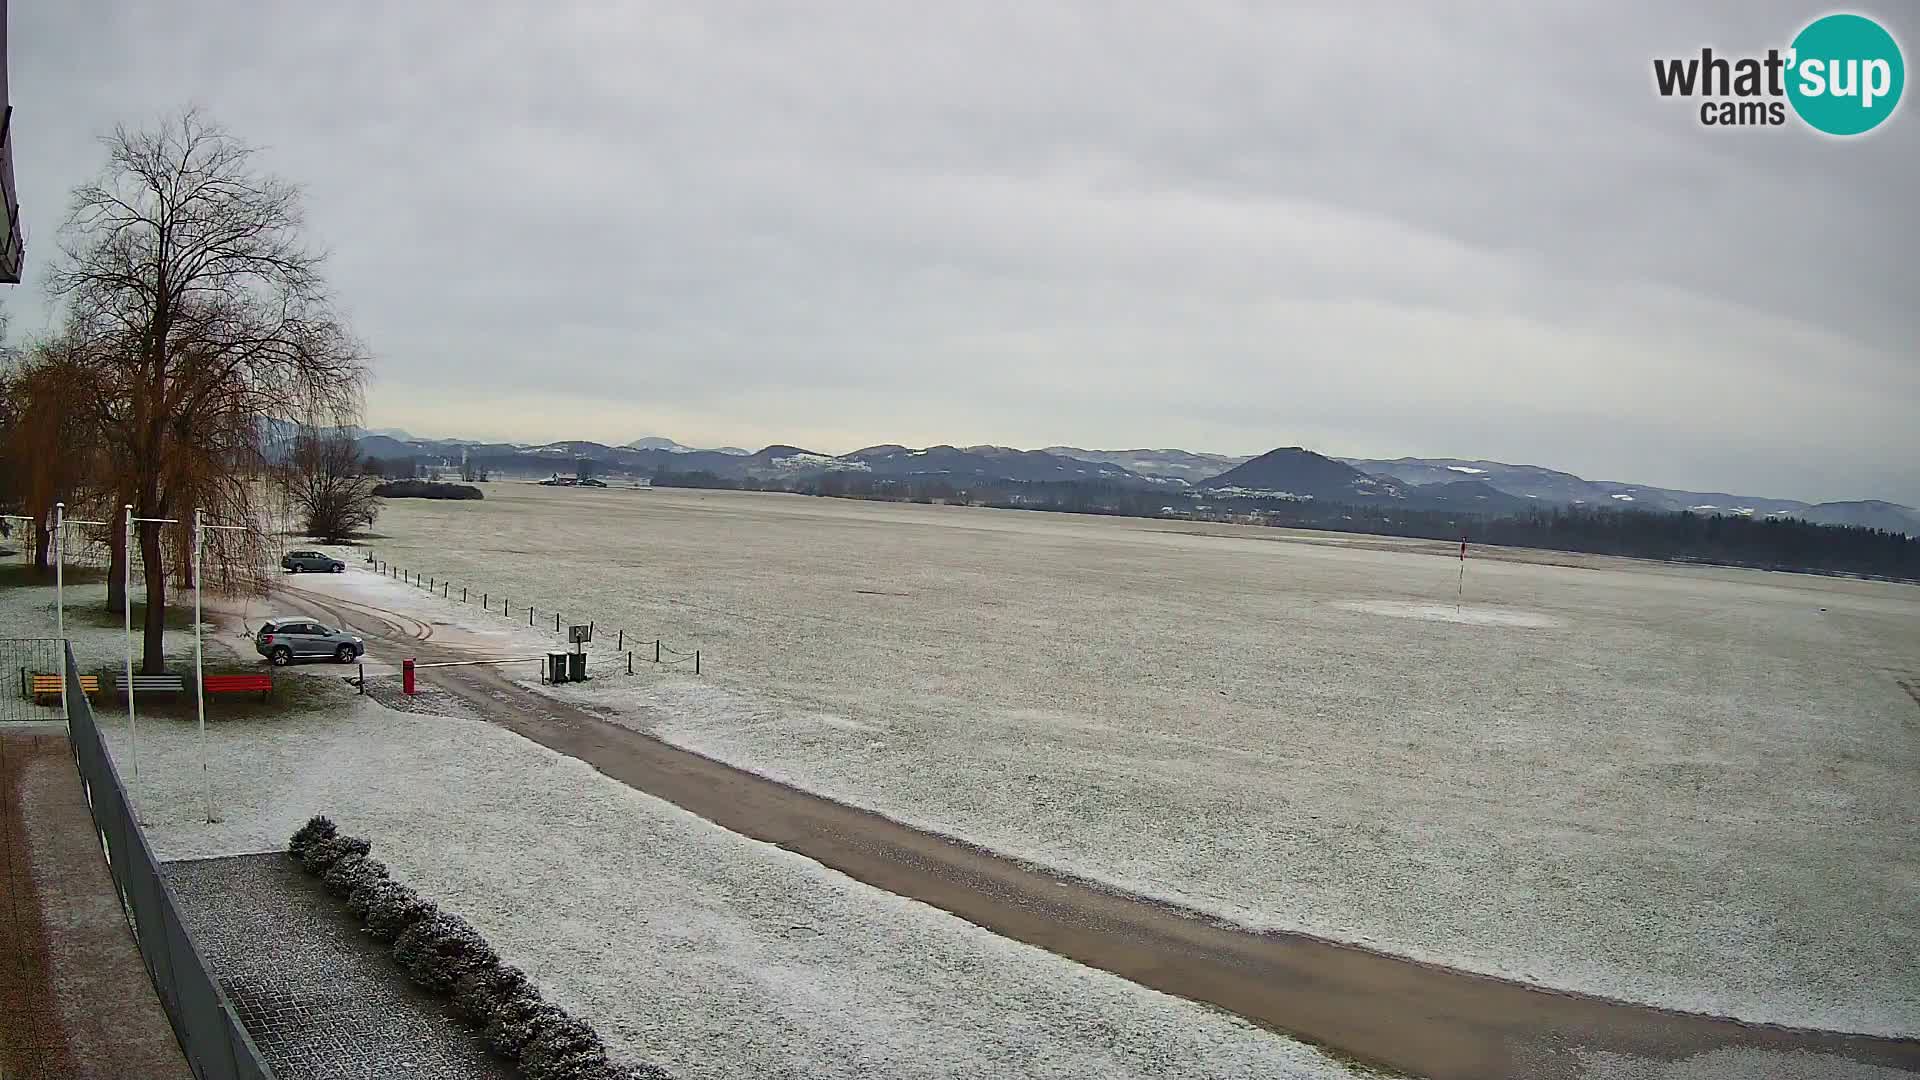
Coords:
577,667
556,667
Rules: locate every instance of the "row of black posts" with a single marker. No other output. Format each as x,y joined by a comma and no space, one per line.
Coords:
381,566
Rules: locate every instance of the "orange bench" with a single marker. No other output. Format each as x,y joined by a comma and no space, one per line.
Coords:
48,686
238,684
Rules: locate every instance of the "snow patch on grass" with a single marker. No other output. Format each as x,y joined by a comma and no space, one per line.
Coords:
1470,615
684,944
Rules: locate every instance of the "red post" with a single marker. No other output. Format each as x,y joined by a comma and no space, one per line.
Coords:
406,676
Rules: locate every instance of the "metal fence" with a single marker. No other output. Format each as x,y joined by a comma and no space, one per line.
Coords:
20,660
215,1042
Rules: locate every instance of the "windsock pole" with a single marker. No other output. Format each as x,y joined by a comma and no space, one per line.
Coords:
1462,592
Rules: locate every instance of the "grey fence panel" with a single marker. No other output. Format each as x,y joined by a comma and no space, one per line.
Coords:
216,1043
20,660
202,1033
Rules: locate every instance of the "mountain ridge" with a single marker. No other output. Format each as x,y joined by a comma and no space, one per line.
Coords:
1472,485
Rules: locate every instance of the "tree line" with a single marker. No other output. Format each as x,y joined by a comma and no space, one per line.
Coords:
1767,543
194,322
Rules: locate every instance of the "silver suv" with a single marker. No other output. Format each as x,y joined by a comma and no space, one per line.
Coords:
312,562
285,640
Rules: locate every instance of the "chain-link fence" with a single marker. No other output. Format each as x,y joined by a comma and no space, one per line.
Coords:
216,1043
32,670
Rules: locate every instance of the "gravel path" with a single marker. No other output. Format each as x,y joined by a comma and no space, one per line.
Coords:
321,999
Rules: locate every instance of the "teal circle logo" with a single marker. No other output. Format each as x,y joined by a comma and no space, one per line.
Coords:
1845,74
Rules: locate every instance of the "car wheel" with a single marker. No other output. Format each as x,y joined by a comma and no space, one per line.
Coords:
344,654
339,568
281,656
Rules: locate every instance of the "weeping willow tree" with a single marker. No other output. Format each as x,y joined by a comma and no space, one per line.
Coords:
204,317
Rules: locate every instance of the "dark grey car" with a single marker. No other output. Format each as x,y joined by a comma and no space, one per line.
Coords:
313,562
285,640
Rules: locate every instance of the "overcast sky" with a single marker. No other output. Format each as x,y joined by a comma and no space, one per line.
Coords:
1368,229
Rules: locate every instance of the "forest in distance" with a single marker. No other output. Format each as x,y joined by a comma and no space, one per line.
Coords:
1766,543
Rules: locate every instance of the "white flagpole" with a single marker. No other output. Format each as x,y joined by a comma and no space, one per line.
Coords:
199,664
133,733
60,597
199,672
126,604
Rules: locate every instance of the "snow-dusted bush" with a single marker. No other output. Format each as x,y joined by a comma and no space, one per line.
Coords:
440,948
565,1048
484,993
322,854
444,953
527,1017
317,828
393,911
350,872
361,899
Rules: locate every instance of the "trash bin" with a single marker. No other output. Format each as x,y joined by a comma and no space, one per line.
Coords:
577,666
556,667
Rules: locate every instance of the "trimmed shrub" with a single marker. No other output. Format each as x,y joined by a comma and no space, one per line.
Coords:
350,872
363,895
511,1034
440,948
393,911
563,1048
317,827
322,854
444,953
575,1065
485,993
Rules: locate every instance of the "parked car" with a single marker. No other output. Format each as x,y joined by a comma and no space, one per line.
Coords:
285,640
316,562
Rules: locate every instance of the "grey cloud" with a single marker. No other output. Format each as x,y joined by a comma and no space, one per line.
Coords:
1378,229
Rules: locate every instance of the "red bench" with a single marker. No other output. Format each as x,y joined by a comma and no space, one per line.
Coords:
238,684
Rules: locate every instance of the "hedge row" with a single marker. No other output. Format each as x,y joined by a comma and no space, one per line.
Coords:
445,954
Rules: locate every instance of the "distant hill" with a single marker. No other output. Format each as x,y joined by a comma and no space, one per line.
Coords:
1292,471
1465,485
1871,513
385,446
1466,496
1565,489
985,462
660,442
1181,465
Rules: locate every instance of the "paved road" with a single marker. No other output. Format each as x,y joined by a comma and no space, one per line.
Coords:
1382,1011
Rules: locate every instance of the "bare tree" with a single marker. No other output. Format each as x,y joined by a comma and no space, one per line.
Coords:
326,485
187,275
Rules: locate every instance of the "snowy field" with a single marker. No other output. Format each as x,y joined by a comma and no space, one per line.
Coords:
1688,787
684,944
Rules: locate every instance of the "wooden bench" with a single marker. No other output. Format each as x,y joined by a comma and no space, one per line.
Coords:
151,684
48,686
238,684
